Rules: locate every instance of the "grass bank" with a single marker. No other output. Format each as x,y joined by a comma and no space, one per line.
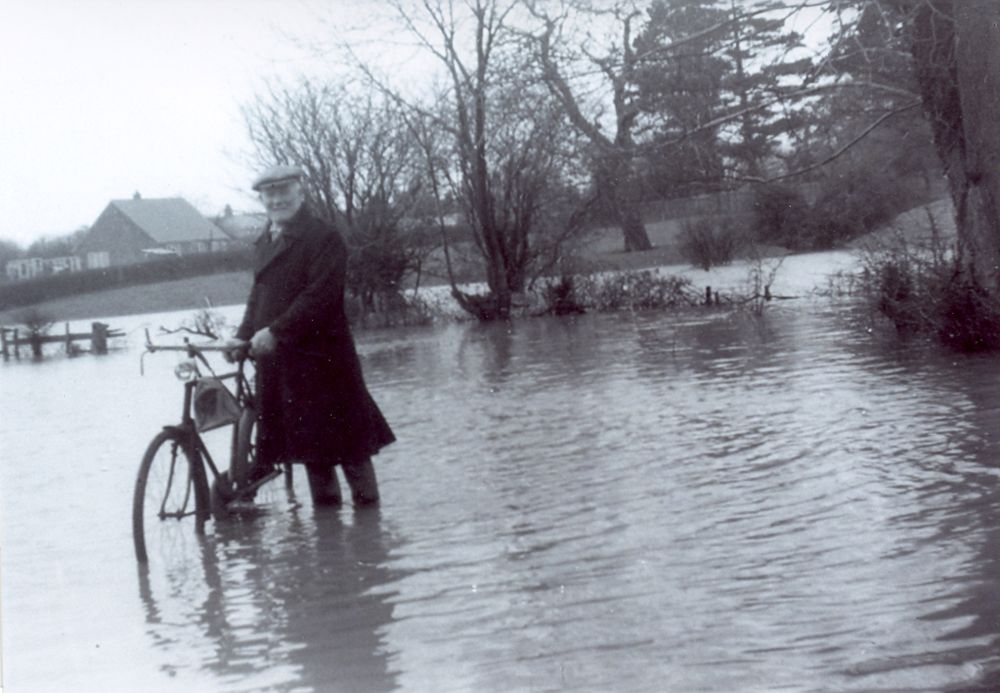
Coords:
179,294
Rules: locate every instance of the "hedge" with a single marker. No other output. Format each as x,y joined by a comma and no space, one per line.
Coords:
28,292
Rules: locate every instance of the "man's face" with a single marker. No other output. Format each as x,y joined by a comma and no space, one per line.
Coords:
282,201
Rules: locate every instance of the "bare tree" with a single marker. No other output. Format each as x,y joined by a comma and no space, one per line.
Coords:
614,154
506,153
362,174
296,126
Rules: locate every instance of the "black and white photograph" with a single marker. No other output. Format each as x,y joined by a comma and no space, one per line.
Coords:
500,346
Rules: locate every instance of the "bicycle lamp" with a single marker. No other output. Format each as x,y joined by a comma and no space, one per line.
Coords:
186,370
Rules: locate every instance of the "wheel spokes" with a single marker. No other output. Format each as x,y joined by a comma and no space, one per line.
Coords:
183,511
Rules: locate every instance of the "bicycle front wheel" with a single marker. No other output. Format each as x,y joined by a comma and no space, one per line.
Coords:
170,498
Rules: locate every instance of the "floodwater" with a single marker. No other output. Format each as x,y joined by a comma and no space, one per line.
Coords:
707,501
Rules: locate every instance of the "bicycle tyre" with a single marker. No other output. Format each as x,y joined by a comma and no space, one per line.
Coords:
170,488
245,453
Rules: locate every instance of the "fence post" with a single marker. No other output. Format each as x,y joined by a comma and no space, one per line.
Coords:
98,337
35,340
17,346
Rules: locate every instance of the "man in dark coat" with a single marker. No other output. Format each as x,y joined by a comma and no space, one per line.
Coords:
314,406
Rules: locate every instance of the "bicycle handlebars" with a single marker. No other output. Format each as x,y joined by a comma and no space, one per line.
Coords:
242,353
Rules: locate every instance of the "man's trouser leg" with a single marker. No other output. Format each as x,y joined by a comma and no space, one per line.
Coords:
323,484
361,478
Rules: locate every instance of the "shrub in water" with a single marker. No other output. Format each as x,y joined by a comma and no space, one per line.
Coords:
36,322
969,316
633,291
922,288
560,297
392,310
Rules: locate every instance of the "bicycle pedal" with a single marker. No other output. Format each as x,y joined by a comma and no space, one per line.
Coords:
239,507
274,474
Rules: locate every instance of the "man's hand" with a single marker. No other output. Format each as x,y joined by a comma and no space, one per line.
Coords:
235,349
263,342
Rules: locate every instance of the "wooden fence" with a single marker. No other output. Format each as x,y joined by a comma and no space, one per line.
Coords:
11,340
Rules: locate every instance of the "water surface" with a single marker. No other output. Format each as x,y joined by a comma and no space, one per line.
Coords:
636,502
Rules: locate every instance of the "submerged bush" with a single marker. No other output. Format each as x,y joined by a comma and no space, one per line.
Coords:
37,322
560,297
922,288
969,316
395,310
644,290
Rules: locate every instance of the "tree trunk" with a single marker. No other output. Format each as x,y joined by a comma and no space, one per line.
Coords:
618,191
956,47
977,43
634,230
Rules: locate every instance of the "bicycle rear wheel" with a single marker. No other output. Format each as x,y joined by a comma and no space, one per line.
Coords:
230,493
170,498
245,481
245,454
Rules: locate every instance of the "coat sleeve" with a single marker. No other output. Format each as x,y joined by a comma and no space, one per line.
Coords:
246,328
312,310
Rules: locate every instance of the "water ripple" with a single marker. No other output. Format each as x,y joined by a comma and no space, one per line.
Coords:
644,502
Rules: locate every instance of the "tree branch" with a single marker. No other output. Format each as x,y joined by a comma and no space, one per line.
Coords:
840,152
799,94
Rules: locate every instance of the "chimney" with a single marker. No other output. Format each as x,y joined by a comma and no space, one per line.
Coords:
136,195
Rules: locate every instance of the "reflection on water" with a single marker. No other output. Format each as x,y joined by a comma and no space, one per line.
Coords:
647,502
282,604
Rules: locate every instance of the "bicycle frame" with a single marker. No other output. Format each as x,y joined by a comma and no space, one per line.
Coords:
156,499
187,428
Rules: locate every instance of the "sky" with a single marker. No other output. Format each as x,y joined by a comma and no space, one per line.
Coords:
104,98
100,99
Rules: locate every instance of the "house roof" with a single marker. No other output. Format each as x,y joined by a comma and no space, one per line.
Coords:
249,225
168,220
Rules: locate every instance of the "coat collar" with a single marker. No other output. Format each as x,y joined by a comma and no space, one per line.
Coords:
293,229
267,252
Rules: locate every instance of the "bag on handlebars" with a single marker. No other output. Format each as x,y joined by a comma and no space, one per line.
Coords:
214,405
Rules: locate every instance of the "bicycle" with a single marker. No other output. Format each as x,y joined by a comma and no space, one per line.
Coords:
172,484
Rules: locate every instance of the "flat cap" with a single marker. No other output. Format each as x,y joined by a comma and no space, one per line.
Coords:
276,175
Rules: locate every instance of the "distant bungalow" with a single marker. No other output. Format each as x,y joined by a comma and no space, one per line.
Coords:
241,227
136,230
28,267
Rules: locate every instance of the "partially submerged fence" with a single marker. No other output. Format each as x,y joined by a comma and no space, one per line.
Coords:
13,338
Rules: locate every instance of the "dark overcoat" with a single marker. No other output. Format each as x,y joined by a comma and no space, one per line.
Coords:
314,405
